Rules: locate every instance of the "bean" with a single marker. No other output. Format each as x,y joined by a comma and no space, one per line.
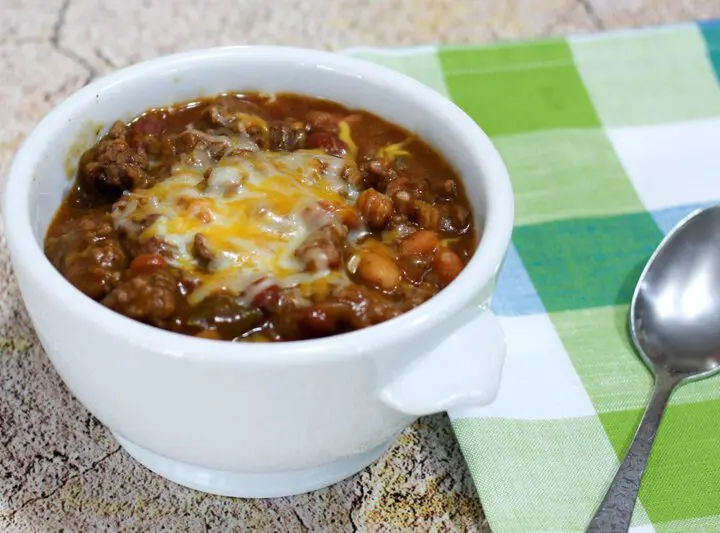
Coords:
449,188
350,216
381,173
403,196
353,176
328,142
425,214
454,218
379,271
268,300
398,185
317,322
416,187
420,242
447,264
376,208
414,267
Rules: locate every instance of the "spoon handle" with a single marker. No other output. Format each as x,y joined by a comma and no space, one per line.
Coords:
616,509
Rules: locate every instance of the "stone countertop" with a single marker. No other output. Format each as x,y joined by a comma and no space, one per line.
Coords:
59,468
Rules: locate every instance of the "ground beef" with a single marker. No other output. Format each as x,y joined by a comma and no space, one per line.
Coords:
153,245
323,248
378,173
349,308
229,112
368,306
287,136
87,252
148,295
191,140
201,248
113,166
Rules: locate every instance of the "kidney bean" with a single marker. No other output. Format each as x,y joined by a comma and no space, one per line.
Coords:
317,322
328,142
267,301
447,264
379,271
420,242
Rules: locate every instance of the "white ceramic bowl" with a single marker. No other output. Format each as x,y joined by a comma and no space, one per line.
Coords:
259,420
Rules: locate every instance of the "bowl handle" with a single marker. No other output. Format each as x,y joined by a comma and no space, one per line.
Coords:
463,369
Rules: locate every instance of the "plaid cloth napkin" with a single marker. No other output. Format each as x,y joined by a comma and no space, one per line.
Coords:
609,140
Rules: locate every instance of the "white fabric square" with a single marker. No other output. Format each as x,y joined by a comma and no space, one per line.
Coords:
672,164
538,379
646,528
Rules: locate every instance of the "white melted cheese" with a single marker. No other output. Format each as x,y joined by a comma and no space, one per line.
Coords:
253,211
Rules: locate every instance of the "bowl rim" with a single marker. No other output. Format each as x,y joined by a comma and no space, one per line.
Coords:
27,254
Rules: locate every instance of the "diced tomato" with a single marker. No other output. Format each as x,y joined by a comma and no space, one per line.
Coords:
148,125
328,142
148,262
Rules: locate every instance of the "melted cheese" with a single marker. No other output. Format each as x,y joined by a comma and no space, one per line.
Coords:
345,136
392,151
252,211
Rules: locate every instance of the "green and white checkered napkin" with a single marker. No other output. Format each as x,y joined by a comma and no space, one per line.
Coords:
609,141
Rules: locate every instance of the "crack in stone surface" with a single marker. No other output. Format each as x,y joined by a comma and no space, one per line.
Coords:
356,505
564,17
300,520
102,56
55,42
592,14
59,23
64,483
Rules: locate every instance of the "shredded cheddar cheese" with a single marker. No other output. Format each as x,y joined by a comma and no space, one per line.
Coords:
252,212
345,136
393,151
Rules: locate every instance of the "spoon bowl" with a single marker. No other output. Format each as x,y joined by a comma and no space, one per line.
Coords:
675,325
675,311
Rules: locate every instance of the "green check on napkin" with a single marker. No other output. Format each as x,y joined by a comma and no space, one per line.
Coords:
609,140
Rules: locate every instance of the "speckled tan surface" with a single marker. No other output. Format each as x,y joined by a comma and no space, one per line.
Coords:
60,469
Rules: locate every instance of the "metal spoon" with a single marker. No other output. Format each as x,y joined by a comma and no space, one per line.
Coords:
675,325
